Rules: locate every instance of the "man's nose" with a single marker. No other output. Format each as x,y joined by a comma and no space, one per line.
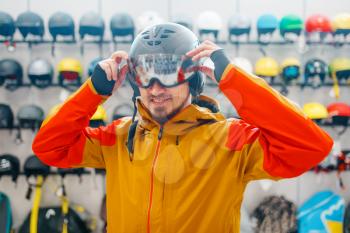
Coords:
156,88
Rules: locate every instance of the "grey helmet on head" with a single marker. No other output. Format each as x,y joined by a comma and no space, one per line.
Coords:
167,38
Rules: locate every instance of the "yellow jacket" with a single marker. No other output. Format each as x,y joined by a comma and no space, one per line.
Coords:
190,175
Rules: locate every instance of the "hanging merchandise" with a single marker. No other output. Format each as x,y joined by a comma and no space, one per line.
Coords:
317,27
122,25
266,26
340,113
291,27
61,24
123,110
91,24
315,111
315,72
6,220
323,212
9,166
147,19
93,64
11,74
40,73
209,23
30,23
183,20
275,214
339,70
6,117
99,118
243,63
267,67
341,27
7,28
290,69
30,117
70,73
238,25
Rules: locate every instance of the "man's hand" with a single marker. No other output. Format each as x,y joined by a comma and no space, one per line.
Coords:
111,67
204,50
216,54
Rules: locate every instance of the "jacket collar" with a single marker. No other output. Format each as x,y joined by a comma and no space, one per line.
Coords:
188,118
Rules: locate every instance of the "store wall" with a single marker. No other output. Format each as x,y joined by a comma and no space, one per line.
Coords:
90,191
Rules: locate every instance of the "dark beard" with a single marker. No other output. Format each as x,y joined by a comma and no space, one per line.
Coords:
163,120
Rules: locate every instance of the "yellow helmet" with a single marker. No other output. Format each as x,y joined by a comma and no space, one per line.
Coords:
266,67
315,111
71,65
100,114
290,62
341,22
339,64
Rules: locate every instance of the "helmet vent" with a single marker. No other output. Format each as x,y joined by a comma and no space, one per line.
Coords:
153,37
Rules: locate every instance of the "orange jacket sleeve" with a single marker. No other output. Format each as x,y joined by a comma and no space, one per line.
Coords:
64,140
282,141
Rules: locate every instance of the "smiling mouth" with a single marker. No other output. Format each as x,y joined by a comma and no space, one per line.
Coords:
160,100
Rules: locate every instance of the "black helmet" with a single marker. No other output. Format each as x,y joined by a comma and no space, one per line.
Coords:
30,23
315,71
167,38
30,117
6,117
40,73
33,167
9,166
7,25
61,24
91,24
11,73
122,24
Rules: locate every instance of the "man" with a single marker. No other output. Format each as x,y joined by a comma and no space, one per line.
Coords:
181,166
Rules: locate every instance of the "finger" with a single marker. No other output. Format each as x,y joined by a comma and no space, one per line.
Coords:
204,53
122,75
113,66
197,50
107,70
119,55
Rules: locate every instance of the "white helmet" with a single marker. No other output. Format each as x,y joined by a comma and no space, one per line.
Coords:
243,63
209,22
148,18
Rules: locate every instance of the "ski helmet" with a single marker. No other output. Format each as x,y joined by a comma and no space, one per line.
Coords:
9,165
122,24
34,167
6,117
70,72
99,118
209,22
61,23
11,73
290,69
91,24
30,117
7,25
30,23
239,25
40,73
291,24
315,111
266,26
341,24
315,71
340,113
340,67
266,67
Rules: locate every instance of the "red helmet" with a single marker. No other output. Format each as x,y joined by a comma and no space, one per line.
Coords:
318,23
338,109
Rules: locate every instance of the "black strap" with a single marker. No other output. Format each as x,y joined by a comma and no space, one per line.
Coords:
131,135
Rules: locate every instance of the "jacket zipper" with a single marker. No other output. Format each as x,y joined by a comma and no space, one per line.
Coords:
160,134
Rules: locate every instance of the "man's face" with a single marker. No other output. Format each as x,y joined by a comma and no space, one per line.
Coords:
162,102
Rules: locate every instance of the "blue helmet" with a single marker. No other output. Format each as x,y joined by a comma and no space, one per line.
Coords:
266,26
61,24
122,24
30,23
7,25
91,24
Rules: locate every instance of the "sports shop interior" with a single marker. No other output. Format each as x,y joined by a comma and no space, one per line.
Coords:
48,49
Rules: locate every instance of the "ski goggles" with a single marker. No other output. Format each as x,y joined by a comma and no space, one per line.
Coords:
168,69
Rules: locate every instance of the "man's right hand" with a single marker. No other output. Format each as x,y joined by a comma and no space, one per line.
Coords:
108,76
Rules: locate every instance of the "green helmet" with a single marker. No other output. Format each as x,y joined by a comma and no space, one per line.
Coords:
291,24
